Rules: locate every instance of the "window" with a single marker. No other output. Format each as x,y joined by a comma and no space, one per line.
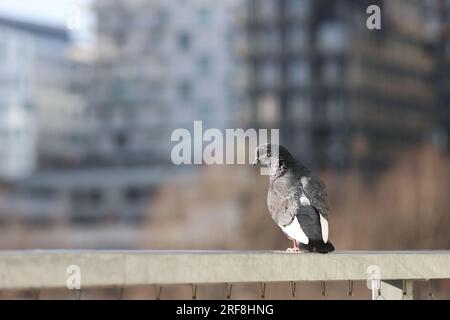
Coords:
266,8
332,37
300,108
184,41
204,16
297,38
447,48
299,73
205,108
330,72
269,74
82,197
185,90
297,8
204,64
135,194
95,197
268,107
335,109
3,50
268,41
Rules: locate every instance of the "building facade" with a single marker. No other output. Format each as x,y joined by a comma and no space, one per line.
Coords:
43,122
160,66
438,23
27,51
341,94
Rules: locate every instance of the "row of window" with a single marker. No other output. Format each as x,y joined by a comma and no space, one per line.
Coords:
270,40
15,46
331,37
271,8
184,38
20,160
96,197
268,74
299,107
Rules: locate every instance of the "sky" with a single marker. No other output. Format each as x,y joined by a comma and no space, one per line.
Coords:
72,14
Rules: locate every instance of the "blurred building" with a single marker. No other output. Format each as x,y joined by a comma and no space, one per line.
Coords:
17,140
160,65
28,52
340,93
90,194
104,120
40,118
65,120
437,14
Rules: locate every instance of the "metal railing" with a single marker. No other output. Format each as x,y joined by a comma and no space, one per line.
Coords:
392,273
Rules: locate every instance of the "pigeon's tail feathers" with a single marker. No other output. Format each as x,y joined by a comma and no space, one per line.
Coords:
317,246
326,247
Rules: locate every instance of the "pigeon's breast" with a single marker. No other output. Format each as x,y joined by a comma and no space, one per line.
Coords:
278,207
273,204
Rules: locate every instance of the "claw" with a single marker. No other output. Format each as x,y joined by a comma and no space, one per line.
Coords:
294,249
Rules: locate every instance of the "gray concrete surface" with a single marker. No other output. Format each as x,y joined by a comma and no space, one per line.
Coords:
48,268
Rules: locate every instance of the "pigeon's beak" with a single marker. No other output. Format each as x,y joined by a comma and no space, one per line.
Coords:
255,162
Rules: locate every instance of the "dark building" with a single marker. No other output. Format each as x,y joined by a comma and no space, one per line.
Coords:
341,94
438,22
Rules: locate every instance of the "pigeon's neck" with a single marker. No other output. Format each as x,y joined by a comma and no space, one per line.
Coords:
290,170
282,171
301,169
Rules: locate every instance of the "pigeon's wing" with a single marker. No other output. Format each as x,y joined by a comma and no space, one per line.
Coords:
280,209
317,195
309,219
305,222
293,229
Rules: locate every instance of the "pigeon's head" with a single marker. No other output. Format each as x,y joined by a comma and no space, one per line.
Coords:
271,155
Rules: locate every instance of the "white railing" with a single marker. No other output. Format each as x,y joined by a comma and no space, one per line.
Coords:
390,272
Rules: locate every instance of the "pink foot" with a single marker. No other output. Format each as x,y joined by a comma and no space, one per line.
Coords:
294,249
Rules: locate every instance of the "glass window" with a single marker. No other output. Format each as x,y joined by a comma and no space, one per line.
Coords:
205,108
330,72
300,108
299,72
268,41
269,74
185,90
335,108
297,8
266,8
135,194
3,50
268,107
332,37
204,64
184,40
297,38
204,16
447,48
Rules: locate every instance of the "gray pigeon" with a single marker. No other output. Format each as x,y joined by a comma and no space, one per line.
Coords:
297,201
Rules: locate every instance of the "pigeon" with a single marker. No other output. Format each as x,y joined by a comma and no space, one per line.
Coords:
297,200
